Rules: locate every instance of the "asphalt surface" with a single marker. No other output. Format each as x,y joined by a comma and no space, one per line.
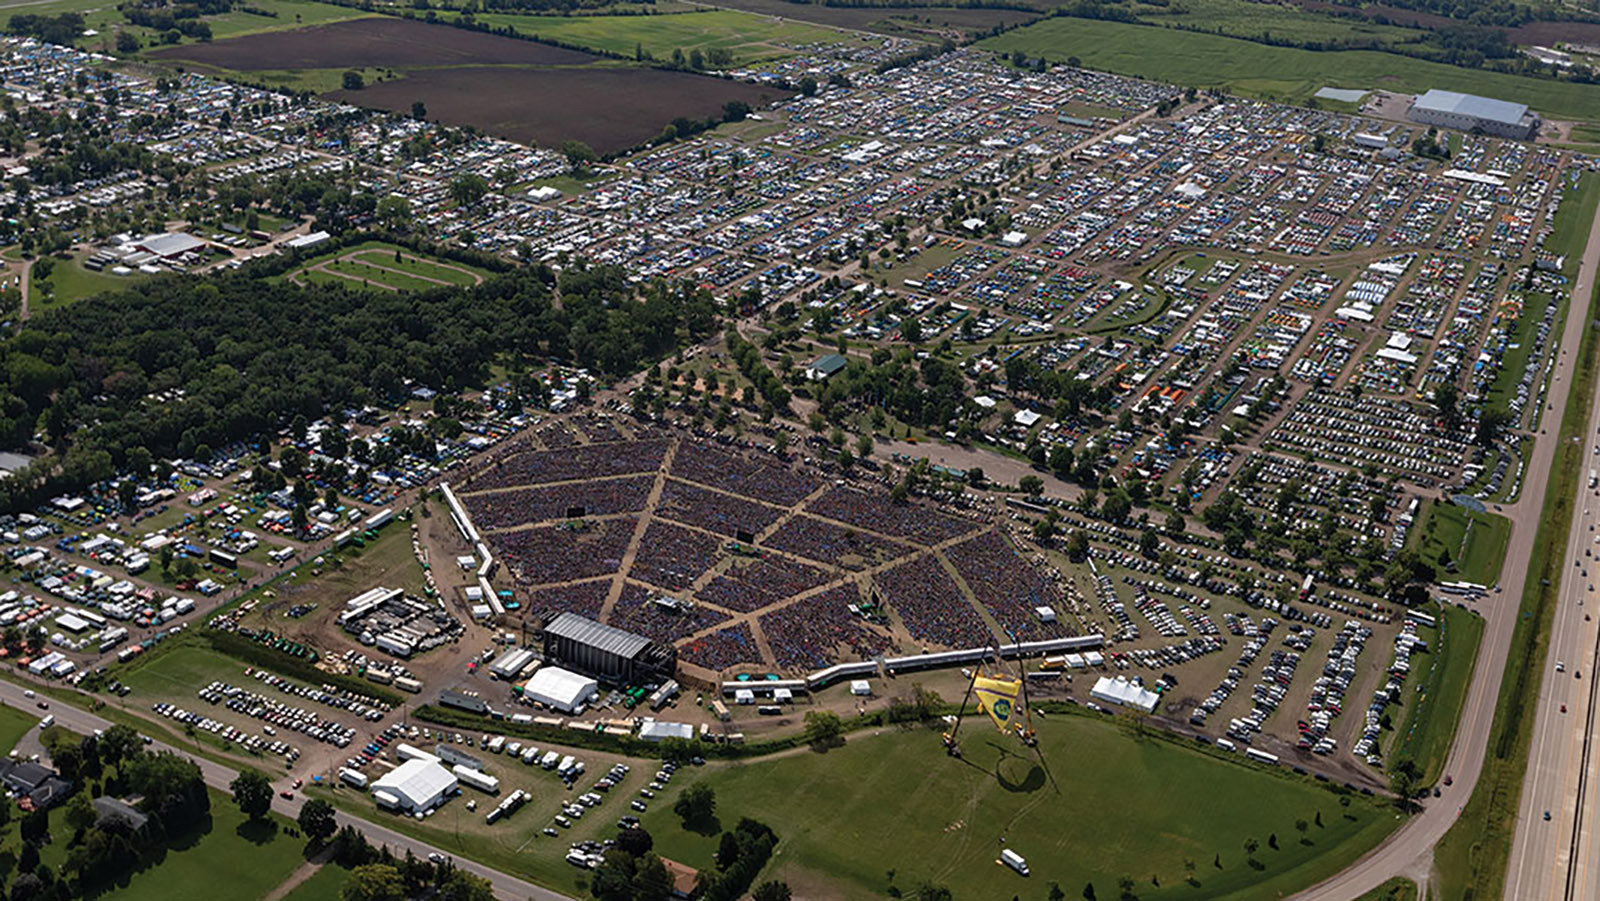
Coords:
1556,858
1409,850
219,777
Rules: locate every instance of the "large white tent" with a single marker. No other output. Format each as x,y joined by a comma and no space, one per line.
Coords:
1124,693
417,785
562,689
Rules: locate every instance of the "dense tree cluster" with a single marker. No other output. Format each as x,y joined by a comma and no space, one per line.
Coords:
174,364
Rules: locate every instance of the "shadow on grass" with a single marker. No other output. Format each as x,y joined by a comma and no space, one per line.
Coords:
257,832
706,826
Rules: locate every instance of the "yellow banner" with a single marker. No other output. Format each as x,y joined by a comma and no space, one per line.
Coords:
998,698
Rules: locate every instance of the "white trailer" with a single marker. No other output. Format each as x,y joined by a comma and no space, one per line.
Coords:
481,781
1014,860
353,777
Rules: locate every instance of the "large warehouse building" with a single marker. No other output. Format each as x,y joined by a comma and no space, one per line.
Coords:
607,653
1469,112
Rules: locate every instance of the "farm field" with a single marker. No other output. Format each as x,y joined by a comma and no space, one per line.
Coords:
1240,18
1148,807
193,867
1206,60
749,37
610,109
915,22
378,42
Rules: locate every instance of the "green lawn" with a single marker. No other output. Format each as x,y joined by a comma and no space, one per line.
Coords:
417,266
1101,805
14,724
207,866
323,885
1397,889
1476,542
203,865
291,14
1433,697
69,282
749,37
183,670
1282,73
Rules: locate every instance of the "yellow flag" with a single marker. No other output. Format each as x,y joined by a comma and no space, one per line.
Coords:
998,698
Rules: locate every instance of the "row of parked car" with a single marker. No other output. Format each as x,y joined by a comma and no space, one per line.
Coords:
253,743
277,713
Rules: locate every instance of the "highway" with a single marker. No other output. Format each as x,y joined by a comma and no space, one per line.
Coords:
506,886
1555,858
1409,850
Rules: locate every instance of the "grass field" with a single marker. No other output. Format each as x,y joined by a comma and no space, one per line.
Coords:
749,37
207,866
1432,706
69,282
106,19
1146,808
374,261
1206,60
1241,18
1397,889
14,724
1475,541
1471,858
323,885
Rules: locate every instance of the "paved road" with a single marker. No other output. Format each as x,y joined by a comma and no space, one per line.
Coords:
1557,858
218,776
1409,851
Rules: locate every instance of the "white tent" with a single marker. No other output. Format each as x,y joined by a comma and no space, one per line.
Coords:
562,689
416,785
1121,692
861,687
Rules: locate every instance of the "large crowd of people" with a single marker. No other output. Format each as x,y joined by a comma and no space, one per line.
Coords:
821,631
562,553
835,545
588,461
722,648
760,479
672,557
582,598
760,583
1006,584
638,611
878,514
714,511
931,604
521,506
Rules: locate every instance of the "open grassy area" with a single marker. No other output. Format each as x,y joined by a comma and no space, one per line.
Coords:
1100,805
182,671
207,865
1432,704
1281,73
14,724
1241,18
323,885
1471,858
1397,889
69,282
376,263
749,37
1476,542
